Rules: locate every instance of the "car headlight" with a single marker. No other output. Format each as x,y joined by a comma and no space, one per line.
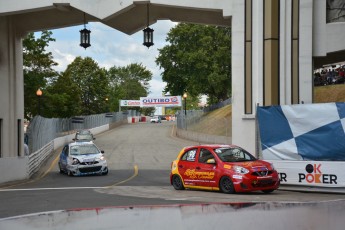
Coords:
75,161
101,158
272,166
240,170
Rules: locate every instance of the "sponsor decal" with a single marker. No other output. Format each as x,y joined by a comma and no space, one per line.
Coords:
191,173
161,101
227,166
282,177
130,102
314,175
237,177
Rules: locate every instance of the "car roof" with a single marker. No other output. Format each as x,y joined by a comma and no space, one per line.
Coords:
84,131
211,146
78,143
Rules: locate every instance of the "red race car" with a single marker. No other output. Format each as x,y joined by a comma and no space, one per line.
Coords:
227,168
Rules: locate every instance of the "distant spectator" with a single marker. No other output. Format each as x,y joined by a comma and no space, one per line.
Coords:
26,150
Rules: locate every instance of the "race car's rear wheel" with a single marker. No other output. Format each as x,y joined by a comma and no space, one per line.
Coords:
177,182
226,185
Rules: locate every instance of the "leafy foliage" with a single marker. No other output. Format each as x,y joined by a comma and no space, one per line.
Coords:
38,69
128,83
197,60
90,86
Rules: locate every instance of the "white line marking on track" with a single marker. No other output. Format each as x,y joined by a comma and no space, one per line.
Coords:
39,189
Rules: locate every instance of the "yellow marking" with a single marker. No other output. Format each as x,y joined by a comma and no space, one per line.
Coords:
227,166
202,187
124,181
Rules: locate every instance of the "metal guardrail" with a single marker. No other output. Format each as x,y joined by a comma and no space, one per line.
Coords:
42,131
190,120
37,158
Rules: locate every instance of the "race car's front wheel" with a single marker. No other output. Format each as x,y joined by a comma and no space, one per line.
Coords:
177,182
226,185
105,172
60,169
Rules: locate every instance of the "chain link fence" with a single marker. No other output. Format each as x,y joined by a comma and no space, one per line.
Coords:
194,120
42,131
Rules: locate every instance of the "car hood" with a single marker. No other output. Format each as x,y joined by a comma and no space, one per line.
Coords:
87,157
254,166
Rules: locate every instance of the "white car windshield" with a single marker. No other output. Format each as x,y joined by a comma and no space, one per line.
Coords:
83,149
84,137
233,154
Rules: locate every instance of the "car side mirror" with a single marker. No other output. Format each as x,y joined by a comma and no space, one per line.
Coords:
211,161
73,139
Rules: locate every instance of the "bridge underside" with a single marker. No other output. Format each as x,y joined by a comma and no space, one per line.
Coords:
129,19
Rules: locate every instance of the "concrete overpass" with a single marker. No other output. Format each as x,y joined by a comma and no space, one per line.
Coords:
275,46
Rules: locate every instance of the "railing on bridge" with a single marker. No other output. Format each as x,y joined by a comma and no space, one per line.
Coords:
42,131
193,117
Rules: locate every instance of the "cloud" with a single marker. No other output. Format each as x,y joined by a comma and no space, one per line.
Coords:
110,47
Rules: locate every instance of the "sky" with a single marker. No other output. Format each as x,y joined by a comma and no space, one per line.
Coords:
110,47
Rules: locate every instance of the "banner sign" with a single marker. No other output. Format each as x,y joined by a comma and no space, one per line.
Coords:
130,103
160,101
314,132
311,173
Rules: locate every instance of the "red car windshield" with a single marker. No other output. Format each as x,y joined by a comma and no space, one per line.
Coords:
233,154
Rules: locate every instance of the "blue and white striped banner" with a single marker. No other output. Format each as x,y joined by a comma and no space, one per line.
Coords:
303,132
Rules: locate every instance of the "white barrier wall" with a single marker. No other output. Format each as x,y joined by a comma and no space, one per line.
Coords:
277,216
311,173
13,168
20,168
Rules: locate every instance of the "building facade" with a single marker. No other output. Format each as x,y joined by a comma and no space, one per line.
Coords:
276,44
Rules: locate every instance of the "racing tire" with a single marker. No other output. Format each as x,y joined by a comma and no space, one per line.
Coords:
226,185
69,173
268,191
60,170
177,182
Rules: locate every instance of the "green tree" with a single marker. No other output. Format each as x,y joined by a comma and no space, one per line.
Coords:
197,60
91,86
64,97
128,83
38,68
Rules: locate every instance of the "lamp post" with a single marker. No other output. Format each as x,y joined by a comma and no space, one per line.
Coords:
185,103
148,32
85,36
106,104
39,94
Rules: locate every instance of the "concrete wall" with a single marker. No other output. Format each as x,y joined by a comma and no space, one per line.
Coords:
264,215
202,137
21,168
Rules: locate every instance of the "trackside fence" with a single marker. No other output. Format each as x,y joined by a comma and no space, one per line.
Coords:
190,118
42,132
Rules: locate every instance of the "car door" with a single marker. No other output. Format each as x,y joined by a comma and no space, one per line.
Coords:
63,157
206,172
186,167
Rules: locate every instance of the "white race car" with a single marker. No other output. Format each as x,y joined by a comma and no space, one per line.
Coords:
82,158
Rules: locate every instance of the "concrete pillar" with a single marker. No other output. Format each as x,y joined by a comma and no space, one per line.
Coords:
12,93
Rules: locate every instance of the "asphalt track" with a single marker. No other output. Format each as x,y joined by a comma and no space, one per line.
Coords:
139,157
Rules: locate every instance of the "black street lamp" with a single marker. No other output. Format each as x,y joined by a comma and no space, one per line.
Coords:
39,95
85,36
148,32
185,103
